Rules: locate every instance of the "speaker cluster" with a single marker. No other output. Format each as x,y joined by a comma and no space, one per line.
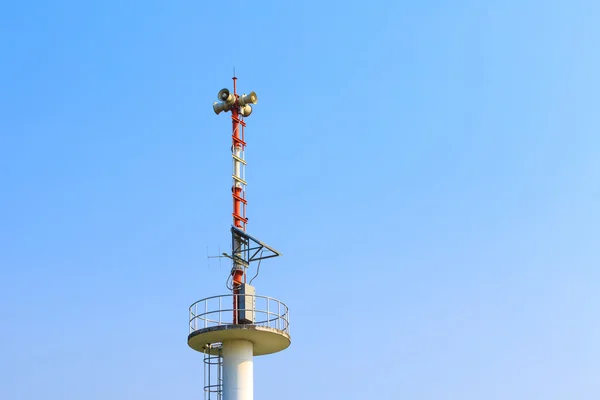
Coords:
228,101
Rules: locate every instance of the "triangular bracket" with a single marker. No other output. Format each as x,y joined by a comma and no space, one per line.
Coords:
250,249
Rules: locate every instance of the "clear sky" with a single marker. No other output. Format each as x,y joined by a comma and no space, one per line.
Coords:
429,169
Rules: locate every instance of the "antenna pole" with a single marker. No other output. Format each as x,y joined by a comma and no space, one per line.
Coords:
258,325
238,192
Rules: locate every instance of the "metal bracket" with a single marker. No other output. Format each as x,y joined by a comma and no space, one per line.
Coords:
251,249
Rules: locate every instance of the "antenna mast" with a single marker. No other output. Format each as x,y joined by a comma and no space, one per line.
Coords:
229,336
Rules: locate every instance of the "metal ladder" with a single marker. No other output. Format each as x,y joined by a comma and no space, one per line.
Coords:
213,372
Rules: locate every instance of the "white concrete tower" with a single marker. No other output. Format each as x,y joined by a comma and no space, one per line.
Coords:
231,329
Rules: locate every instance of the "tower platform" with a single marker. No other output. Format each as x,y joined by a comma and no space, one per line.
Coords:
212,321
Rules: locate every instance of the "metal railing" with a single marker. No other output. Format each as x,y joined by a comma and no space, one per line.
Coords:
218,311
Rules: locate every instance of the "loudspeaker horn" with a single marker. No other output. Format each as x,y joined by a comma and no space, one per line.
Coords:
220,107
251,98
245,110
225,96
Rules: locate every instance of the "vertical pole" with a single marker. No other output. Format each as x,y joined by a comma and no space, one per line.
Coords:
238,370
220,374
237,271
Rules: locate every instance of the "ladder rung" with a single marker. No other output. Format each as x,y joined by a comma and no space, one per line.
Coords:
239,159
238,140
244,220
239,121
240,180
235,196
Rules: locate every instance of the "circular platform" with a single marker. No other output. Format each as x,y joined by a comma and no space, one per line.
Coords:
266,340
267,323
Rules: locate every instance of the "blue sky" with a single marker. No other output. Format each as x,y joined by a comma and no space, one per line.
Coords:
429,170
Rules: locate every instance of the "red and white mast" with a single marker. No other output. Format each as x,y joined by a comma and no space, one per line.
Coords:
240,107
238,189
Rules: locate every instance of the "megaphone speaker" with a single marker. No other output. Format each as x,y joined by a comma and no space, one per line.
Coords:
225,96
251,98
245,110
220,107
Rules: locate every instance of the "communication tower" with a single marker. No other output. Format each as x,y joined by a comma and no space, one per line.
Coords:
231,329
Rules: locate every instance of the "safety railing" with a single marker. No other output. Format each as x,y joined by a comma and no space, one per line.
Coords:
257,310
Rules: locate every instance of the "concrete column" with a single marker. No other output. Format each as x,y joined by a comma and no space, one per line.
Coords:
238,370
